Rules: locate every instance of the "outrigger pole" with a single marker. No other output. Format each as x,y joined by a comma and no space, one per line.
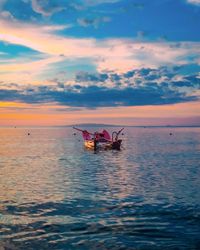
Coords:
116,134
78,129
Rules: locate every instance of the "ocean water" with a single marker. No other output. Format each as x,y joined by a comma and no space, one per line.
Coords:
54,194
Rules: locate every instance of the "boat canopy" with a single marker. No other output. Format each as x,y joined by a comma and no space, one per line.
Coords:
97,135
106,135
102,136
86,135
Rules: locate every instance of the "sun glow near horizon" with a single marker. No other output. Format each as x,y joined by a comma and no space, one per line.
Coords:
52,115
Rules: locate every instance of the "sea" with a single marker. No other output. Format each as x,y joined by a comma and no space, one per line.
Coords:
55,194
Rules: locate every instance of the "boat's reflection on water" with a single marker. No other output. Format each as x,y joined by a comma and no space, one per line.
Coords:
101,149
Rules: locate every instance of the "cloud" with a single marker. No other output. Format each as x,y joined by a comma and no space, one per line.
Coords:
109,54
195,2
88,77
97,2
28,66
3,53
24,69
2,2
95,22
45,7
110,90
93,96
119,55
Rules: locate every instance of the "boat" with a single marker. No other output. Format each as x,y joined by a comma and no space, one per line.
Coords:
101,140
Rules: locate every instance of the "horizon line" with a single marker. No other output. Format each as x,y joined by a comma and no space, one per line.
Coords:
98,124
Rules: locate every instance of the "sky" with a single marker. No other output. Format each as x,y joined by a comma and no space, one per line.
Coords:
130,62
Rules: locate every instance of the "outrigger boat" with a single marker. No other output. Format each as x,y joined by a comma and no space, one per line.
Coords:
101,140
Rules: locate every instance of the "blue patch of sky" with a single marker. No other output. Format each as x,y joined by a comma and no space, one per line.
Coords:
20,10
13,51
189,69
174,20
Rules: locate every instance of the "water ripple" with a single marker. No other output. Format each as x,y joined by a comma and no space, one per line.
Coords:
60,196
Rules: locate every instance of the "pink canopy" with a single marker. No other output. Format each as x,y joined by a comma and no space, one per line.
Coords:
102,136
106,135
98,136
86,135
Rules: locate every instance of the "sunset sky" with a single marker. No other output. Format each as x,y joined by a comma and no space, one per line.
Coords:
131,62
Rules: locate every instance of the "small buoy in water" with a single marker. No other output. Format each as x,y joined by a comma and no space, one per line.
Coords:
74,133
170,133
28,133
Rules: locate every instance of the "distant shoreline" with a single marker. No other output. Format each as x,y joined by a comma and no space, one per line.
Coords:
102,125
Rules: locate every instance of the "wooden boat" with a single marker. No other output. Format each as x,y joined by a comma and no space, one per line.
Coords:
101,140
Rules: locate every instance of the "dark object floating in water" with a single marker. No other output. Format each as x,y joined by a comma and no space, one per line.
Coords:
170,134
101,140
28,133
74,133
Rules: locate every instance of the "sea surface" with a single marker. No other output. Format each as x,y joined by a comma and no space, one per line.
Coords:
54,194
